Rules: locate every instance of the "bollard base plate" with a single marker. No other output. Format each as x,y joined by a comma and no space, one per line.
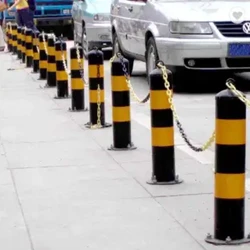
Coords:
94,126
153,181
78,110
211,240
129,147
65,97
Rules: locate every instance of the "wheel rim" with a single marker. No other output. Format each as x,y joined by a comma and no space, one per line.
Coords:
151,59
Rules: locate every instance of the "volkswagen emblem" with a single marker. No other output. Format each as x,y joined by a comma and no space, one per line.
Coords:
246,28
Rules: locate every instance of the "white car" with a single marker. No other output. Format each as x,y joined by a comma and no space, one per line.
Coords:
187,35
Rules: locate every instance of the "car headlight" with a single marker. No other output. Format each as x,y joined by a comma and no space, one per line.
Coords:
66,12
101,18
190,28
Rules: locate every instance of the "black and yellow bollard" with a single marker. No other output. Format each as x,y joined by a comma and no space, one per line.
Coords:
14,38
77,82
51,59
120,107
24,45
42,57
96,90
61,74
162,131
19,48
29,48
35,48
230,153
10,42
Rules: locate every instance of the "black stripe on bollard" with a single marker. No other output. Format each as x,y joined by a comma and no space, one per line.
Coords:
42,58
51,59
24,45
35,46
96,90
14,38
19,47
77,83
120,107
230,153
29,48
61,74
162,131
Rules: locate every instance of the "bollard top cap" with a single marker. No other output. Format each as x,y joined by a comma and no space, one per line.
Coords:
226,93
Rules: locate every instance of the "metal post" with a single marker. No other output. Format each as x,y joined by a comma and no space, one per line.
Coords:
96,90
162,131
14,38
61,74
230,153
42,58
35,46
120,107
51,59
77,83
28,47
19,48
24,45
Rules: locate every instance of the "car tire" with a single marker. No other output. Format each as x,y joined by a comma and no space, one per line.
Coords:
116,48
151,51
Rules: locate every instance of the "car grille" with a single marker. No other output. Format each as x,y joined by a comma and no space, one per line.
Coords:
52,12
230,29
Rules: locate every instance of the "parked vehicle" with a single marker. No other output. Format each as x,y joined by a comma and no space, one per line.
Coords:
50,15
187,35
92,26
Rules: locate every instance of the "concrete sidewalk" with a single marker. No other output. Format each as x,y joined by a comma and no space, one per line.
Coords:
61,189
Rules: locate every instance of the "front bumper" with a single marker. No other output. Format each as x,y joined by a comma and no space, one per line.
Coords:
99,34
208,54
53,21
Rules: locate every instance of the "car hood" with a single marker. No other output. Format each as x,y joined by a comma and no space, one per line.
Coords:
99,6
204,10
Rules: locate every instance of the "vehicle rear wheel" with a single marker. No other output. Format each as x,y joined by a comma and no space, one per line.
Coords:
117,48
151,56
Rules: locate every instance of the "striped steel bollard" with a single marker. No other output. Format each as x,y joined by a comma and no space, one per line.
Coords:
19,48
120,107
61,74
35,44
162,131
230,152
77,83
51,59
42,58
28,48
10,42
24,46
96,90
14,38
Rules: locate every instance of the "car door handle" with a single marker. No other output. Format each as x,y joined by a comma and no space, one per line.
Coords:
130,9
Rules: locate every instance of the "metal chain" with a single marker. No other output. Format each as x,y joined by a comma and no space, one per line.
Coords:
37,47
209,142
229,84
44,43
64,60
80,65
98,125
127,77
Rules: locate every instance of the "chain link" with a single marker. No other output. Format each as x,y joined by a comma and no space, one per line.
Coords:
230,85
44,43
127,77
80,65
64,59
209,142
